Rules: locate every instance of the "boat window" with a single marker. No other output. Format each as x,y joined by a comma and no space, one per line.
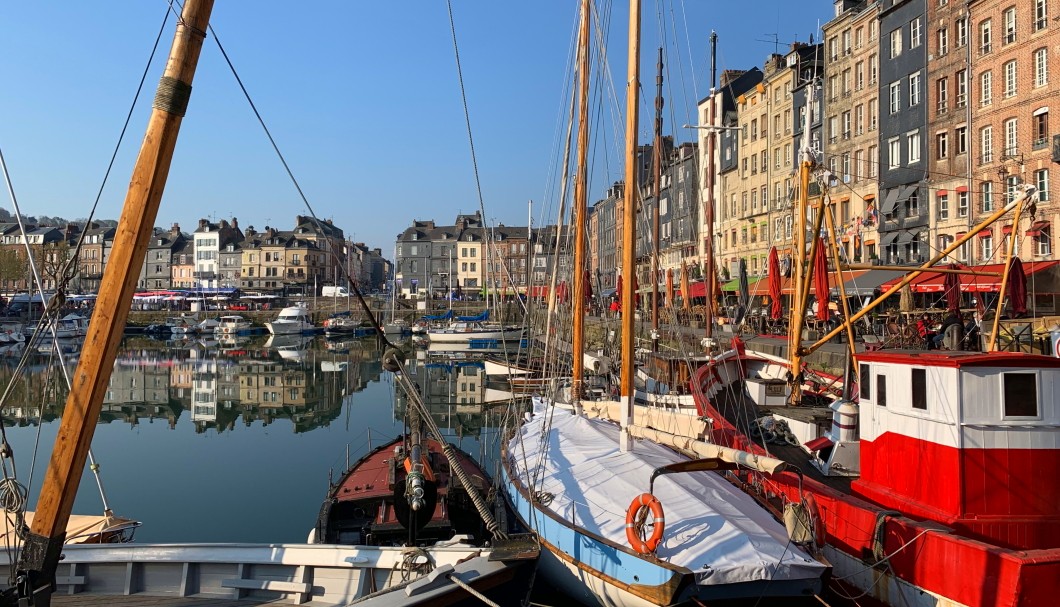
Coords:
881,390
865,386
919,382
1020,394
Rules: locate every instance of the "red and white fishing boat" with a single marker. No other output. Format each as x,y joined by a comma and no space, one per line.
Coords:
933,482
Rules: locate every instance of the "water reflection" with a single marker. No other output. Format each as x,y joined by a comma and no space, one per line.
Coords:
244,429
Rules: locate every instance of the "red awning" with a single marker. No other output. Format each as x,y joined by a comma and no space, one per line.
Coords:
934,282
962,189
821,442
985,233
942,193
1037,228
1007,229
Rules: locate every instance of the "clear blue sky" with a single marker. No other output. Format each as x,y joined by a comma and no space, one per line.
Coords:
362,98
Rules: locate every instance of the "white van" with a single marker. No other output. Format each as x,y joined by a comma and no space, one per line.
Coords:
335,292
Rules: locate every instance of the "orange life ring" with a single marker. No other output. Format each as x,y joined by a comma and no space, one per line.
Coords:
645,500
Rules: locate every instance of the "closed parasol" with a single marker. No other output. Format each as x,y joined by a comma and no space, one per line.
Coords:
669,287
776,311
1017,288
820,280
686,295
951,288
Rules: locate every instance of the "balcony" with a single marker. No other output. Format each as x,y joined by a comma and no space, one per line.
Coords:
204,275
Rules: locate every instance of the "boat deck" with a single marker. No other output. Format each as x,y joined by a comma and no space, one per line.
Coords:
740,410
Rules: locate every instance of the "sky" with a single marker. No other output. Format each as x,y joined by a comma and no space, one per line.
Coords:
362,98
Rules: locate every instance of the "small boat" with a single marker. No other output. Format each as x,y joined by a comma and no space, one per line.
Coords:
397,326
467,328
181,325
207,326
342,324
292,320
232,325
290,346
70,326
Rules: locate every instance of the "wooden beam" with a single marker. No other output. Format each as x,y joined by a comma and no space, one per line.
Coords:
81,413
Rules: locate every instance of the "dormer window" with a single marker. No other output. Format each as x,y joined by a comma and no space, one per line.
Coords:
1020,395
159,242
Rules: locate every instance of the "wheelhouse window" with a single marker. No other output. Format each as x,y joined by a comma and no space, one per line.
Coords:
1020,395
881,390
919,385
864,388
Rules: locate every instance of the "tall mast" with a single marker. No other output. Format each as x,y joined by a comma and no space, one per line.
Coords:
41,550
709,271
657,177
629,222
798,302
578,272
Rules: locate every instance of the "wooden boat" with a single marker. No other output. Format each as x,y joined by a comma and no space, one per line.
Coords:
369,504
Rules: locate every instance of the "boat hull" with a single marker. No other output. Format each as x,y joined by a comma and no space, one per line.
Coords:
457,336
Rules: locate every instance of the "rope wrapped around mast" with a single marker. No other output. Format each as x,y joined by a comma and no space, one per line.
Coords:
172,96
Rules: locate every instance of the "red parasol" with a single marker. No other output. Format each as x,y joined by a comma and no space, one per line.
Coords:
951,287
588,286
820,280
669,287
1017,288
561,292
618,288
776,310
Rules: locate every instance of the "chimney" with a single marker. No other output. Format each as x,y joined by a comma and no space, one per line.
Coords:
175,229
203,223
235,223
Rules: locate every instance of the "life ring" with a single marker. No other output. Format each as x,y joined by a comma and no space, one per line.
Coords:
634,513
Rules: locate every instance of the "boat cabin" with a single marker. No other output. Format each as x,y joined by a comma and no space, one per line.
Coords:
967,439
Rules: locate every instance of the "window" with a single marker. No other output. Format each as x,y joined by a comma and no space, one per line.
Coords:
881,390
1041,128
1008,22
846,167
1043,243
943,201
942,95
1010,79
919,386
942,146
1041,180
914,89
1041,15
833,48
873,113
962,88
896,43
846,124
846,42
962,251
874,162
962,32
846,82
914,33
986,88
1020,392
859,37
986,244
986,190
962,204
865,386
961,137
874,30
833,129
912,138
985,39
859,75
894,153
874,68
896,97
943,41
859,119
1011,137
986,144
1041,67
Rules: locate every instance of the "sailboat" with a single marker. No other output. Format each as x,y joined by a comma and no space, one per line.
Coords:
300,573
632,522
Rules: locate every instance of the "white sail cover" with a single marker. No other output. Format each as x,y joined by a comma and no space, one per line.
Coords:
712,528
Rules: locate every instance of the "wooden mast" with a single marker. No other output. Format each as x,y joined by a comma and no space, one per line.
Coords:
657,178
798,297
991,345
42,547
580,196
710,274
629,223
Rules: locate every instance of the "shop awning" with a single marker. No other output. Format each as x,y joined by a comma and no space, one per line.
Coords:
868,282
890,202
933,282
888,238
732,285
907,237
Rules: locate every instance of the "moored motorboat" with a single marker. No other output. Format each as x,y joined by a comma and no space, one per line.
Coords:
292,320
231,325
